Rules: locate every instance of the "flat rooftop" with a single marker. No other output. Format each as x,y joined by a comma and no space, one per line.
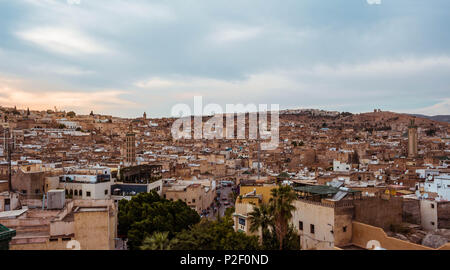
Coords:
323,190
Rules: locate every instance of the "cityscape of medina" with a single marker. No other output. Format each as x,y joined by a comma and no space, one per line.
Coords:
215,125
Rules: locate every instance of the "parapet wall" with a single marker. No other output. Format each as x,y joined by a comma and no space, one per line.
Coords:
363,233
379,211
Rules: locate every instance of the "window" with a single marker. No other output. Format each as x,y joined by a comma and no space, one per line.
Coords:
36,191
312,228
344,229
71,192
432,205
67,239
67,192
300,225
432,223
24,191
80,192
106,192
242,221
193,200
88,194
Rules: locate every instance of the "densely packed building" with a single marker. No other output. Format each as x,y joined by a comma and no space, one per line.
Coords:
357,176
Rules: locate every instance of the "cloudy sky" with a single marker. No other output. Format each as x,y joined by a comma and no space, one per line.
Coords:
125,57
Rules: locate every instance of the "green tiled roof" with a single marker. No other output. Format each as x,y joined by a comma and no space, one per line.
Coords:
321,190
6,233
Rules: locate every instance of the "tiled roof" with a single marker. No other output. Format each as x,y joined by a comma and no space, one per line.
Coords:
6,233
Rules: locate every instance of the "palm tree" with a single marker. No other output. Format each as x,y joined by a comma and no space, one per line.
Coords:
281,205
158,241
261,217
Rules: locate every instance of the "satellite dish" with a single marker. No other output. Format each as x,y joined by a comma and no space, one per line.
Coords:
430,178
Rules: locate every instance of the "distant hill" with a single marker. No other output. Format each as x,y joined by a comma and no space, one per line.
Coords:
440,118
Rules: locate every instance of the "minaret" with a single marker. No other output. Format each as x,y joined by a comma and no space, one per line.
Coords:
130,147
145,116
412,140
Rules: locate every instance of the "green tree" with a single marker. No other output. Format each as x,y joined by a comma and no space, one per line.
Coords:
232,196
229,211
284,175
291,240
71,114
261,217
214,235
282,206
158,241
147,213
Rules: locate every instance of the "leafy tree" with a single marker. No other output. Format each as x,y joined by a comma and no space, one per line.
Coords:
214,235
430,132
261,217
158,241
71,114
147,213
61,126
232,196
282,206
229,211
284,175
291,240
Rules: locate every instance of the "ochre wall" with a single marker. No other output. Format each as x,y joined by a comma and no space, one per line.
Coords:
363,233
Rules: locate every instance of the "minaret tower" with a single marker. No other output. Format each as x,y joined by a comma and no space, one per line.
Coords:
130,147
412,139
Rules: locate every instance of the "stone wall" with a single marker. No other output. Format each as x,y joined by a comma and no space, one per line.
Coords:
443,213
411,211
379,211
363,236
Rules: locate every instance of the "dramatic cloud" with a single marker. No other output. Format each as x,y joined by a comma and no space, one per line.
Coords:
337,55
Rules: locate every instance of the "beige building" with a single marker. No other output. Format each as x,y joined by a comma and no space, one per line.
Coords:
81,224
322,225
198,194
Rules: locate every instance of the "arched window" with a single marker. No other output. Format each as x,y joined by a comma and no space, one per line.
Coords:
80,192
71,192
76,192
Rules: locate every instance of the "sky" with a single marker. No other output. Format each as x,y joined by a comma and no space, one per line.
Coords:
126,57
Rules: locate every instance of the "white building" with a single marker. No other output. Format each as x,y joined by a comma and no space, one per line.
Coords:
440,185
68,124
87,183
341,167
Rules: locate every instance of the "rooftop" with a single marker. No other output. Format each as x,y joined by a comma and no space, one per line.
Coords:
322,190
6,233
